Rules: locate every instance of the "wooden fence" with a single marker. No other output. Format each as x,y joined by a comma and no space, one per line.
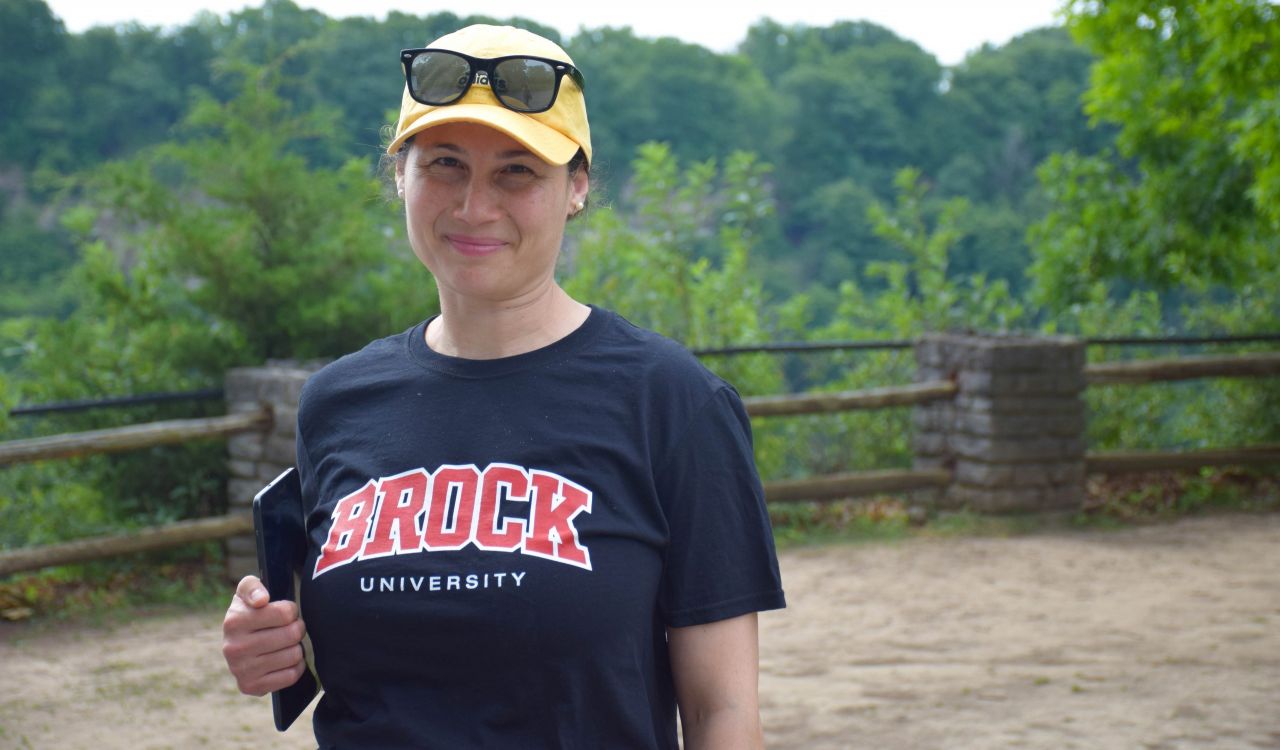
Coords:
927,476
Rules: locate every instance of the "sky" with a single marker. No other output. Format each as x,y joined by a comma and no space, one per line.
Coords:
946,28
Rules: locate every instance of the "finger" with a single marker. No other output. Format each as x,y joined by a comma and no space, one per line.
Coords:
273,681
285,658
252,592
244,650
267,640
275,615
249,632
241,618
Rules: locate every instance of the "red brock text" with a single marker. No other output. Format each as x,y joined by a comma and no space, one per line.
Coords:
454,506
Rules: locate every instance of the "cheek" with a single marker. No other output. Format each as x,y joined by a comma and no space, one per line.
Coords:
421,203
418,226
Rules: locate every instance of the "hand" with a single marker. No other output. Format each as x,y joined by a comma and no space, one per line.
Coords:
262,640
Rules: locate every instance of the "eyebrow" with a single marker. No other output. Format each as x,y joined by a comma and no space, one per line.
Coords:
510,154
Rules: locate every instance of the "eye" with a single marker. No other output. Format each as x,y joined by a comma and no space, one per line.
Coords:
443,167
516,175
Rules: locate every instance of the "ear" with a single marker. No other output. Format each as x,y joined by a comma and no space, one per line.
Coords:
579,185
400,177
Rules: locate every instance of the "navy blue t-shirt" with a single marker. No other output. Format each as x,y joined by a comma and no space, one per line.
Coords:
498,546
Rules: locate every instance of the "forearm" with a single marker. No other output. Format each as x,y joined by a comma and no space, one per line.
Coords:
715,667
726,728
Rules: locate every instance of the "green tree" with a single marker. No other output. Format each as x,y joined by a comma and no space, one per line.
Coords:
32,254
1190,196
777,48
703,104
831,239
31,42
225,248
868,107
654,265
267,33
685,243
853,103
112,91
904,299
233,222
1012,106
938,301
1176,227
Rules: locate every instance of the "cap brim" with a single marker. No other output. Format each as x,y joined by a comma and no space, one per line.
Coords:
547,143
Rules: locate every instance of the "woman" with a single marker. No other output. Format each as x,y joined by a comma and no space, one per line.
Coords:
531,524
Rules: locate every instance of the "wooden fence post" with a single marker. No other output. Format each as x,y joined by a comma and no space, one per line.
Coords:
255,458
1014,434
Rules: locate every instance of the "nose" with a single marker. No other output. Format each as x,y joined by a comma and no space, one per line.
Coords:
479,202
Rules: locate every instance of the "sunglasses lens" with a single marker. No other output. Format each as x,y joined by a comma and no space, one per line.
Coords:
438,77
525,85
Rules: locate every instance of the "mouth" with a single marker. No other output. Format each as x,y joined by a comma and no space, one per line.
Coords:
474,246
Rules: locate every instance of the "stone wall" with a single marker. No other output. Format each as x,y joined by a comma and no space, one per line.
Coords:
256,458
1014,434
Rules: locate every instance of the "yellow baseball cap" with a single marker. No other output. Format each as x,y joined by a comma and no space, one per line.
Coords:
554,135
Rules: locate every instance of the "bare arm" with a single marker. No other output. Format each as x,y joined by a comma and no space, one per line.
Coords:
261,640
716,670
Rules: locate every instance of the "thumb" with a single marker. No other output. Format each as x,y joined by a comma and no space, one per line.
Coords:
252,592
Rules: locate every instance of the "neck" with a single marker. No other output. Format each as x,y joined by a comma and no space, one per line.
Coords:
471,330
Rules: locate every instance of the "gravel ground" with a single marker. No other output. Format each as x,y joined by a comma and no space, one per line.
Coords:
1164,636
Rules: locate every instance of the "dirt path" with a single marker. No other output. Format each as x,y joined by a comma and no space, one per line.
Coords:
1159,637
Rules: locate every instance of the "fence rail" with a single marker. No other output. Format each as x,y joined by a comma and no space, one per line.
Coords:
1120,462
1183,368
854,484
806,347
142,399
119,439
972,441
783,347
871,398
145,540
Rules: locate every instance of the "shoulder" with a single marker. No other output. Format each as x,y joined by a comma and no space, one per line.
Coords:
659,362
377,363
674,396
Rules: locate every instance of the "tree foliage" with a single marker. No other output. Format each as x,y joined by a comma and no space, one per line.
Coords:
220,249
701,104
1019,103
897,299
677,261
1188,195
838,109
237,233
1174,226
177,201
29,33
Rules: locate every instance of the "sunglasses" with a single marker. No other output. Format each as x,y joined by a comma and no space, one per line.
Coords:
522,83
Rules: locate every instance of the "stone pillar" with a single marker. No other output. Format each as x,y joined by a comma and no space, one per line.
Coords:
1014,434
255,458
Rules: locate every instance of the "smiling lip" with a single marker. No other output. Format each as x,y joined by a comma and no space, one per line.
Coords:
468,245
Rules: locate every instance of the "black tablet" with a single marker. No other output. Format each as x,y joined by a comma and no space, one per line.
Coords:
282,548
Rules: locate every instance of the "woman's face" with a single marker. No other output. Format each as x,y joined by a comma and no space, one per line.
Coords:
484,214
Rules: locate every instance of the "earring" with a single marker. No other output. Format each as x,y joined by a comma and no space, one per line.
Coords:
579,207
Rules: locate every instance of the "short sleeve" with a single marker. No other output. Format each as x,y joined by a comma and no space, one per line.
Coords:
306,469
720,559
